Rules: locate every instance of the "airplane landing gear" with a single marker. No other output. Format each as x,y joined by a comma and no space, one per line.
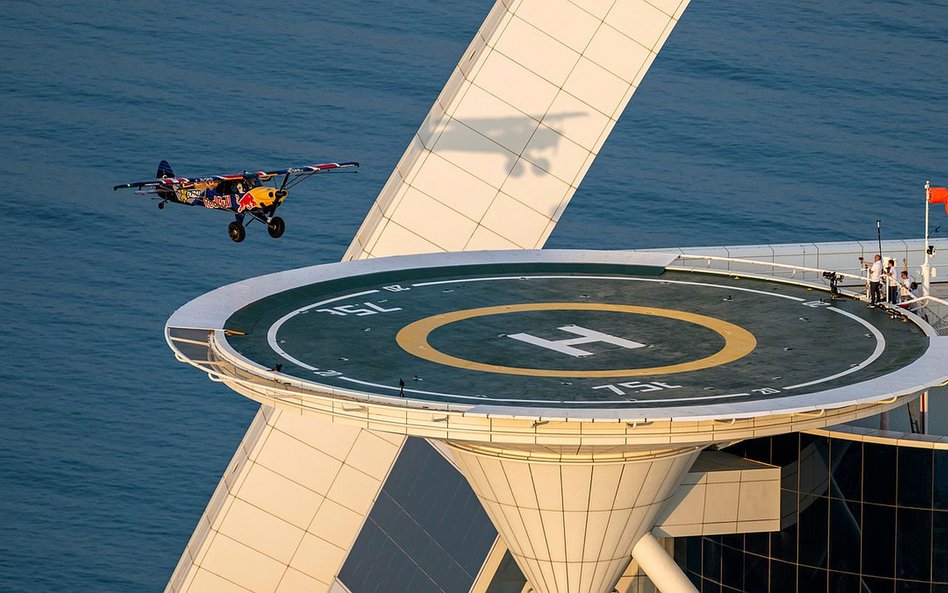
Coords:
275,227
161,205
236,232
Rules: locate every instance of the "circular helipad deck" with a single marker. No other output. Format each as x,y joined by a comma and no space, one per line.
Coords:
561,332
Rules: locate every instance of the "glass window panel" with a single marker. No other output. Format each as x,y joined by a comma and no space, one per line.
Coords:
757,543
841,582
912,587
812,580
941,478
508,578
913,544
844,536
783,544
733,540
427,529
814,513
783,577
939,588
915,477
814,465
879,473
878,532
940,553
680,551
756,571
708,586
757,449
711,559
877,585
694,554
732,567
846,458
788,508
785,449
790,477
376,564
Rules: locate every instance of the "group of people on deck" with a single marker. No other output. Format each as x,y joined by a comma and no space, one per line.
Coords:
886,285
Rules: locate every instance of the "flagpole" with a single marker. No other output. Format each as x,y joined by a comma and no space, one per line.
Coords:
926,266
884,416
885,286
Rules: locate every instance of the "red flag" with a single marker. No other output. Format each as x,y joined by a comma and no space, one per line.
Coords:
938,195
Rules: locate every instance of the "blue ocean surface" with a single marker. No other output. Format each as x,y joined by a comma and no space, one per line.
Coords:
759,122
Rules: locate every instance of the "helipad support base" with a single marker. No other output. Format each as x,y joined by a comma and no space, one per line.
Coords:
571,523
288,508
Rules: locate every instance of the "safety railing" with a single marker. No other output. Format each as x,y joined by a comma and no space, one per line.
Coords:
932,309
851,284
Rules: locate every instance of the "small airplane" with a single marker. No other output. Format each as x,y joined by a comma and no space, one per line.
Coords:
246,194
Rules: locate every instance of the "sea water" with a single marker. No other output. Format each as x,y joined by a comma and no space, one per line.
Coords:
759,122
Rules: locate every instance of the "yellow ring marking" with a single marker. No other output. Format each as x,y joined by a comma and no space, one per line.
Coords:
738,342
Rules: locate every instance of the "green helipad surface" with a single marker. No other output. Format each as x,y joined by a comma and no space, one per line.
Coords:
571,335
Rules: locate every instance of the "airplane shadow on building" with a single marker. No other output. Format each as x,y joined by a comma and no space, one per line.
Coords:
537,143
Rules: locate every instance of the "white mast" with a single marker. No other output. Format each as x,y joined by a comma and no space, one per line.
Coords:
926,265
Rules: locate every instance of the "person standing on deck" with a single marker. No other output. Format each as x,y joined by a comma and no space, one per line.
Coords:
892,283
875,279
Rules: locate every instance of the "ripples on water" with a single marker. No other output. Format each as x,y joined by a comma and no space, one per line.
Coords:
760,122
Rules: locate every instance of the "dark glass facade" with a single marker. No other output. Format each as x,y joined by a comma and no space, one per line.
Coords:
508,578
856,517
427,532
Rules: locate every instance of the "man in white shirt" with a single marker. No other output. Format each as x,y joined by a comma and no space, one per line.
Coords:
875,279
892,283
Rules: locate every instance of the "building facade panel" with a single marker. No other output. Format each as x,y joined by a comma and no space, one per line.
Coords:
425,533
858,516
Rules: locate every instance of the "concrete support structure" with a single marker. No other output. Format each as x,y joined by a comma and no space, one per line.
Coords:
722,494
660,568
571,523
289,506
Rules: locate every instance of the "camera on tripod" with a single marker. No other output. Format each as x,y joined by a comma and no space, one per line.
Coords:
834,280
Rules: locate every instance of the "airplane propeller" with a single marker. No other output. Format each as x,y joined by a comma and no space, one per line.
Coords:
281,193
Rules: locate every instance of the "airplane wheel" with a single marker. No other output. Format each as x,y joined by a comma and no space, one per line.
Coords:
161,205
236,232
275,227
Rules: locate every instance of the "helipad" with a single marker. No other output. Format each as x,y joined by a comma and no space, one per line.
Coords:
563,333
599,376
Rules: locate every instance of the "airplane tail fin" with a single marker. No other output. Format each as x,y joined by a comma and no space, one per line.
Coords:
164,170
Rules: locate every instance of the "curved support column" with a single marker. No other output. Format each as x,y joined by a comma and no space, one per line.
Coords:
288,508
571,524
517,126
660,567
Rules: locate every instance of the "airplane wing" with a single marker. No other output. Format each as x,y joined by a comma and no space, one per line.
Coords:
309,169
167,182
213,180
182,182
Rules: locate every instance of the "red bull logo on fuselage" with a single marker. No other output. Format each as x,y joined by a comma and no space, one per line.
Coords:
247,202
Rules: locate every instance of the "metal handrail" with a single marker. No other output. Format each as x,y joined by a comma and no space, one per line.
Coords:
794,268
926,299
939,324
